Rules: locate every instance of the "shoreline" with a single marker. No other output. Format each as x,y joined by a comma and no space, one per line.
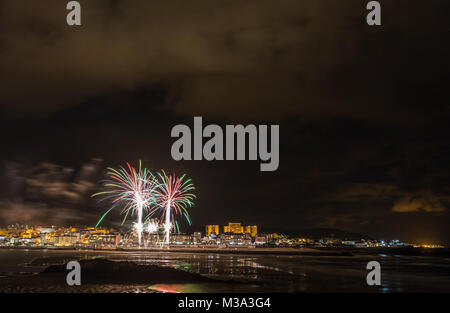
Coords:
269,251
102,275
334,251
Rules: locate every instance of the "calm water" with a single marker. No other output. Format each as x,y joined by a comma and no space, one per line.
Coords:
266,273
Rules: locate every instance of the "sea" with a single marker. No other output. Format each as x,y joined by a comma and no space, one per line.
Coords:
255,272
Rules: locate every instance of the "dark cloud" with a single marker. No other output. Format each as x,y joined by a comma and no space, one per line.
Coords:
363,111
228,57
48,193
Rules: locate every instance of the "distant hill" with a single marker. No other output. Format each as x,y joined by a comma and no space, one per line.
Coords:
313,233
317,233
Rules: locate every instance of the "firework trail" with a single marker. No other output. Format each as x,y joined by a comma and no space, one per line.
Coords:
174,196
133,189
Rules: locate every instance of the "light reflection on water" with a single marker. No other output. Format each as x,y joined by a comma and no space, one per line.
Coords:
273,273
201,288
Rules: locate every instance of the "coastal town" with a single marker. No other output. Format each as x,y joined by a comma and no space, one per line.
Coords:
232,235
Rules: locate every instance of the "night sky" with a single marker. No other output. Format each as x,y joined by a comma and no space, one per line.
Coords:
363,111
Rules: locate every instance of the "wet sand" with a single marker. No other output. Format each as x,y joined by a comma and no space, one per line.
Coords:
101,275
258,272
204,249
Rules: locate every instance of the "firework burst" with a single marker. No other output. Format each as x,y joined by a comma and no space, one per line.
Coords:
131,189
174,196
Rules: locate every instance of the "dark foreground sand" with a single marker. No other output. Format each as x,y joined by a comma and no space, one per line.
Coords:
102,275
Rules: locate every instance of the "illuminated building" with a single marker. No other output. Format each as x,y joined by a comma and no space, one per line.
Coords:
260,240
212,229
234,228
251,230
106,239
65,240
181,239
237,228
197,237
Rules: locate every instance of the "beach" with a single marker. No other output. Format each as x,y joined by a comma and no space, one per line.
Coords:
24,270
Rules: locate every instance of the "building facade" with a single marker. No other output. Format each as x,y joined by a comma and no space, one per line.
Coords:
212,229
234,228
